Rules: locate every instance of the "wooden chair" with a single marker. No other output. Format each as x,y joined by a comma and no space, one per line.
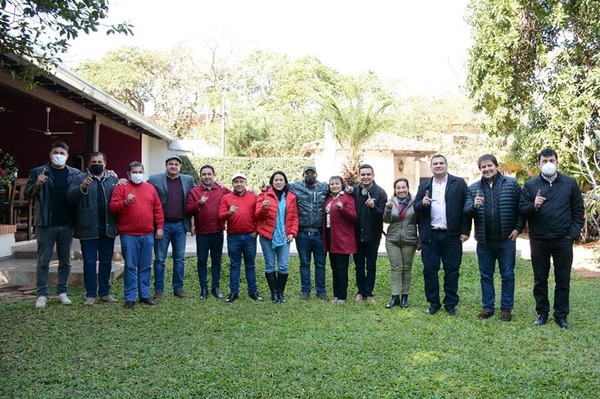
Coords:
21,208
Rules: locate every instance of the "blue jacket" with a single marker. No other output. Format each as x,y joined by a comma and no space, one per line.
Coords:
42,194
456,195
87,217
159,181
562,215
509,218
310,200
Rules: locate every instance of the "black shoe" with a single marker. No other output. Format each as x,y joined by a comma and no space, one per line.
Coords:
280,297
203,293
231,298
404,301
432,309
147,301
562,323
452,311
541,319
217,293
395,301
129,304
255,296
179,294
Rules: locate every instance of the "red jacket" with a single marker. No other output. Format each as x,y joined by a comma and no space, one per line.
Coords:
206,216
142,215
243,221
266,217
343,236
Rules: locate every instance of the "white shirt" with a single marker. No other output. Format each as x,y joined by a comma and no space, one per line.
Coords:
438,204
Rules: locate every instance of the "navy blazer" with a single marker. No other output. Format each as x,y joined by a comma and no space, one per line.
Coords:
159,181
456,195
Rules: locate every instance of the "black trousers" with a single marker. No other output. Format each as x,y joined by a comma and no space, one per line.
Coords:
561,252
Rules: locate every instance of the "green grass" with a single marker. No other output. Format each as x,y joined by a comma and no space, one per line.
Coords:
211,349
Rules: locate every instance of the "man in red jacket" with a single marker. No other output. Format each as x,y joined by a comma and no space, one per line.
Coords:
237,210
138,211
203,203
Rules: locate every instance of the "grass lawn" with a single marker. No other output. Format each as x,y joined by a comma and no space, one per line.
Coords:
211,349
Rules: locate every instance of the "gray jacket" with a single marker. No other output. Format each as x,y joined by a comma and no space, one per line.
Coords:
310,200
402,231
159,181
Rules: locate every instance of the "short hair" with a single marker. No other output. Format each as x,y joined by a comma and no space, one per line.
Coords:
486,157
134,164
60,144
207,166
97,154
438,156
404,179
366,166
547,152
341,179
279,172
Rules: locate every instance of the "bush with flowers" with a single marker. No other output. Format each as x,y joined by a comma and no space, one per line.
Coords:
8,169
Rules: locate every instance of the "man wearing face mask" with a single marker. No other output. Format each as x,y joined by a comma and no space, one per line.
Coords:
95,226
310,197
553,207
53,219
138,211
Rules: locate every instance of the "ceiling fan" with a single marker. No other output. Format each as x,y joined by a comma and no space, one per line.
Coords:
48,132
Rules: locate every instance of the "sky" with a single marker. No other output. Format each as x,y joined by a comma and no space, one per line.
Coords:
420,44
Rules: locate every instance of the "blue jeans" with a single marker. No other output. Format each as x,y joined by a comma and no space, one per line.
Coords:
306,245
98,249
448,250
175,235
365,262
504,252
137,254
238,246
62,236
212,243
282,254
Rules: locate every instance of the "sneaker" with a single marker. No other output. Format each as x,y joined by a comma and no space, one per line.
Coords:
41,302
334,300
89,301
64,299
341,301
505,315
108,298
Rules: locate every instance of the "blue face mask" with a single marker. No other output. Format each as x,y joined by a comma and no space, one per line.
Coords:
310,179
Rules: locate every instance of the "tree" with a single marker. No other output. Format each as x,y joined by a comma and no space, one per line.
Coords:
41,30
355,116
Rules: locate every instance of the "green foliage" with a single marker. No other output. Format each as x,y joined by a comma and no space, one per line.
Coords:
41,30
257,170
301,349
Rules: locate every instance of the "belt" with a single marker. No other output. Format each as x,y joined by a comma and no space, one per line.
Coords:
311,232
440,230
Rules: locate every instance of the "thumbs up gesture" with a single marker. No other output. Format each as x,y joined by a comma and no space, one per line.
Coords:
478,200
390,204
130,197
539,200
42,178
232,208
369,202
426,199
339,205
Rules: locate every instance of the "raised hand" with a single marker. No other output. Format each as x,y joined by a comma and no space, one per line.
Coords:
42,178
478,200
426,199
266,204
539,200
369,202
390,204
232,208
203,199
86,183
339,205
130,197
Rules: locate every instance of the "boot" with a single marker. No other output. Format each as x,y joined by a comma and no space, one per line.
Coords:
404,301
272,281
281,282
395,301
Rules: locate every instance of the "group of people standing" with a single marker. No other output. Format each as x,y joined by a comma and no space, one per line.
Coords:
322,218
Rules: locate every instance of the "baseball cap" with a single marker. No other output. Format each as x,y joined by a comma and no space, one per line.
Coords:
238,174
310,167
172,156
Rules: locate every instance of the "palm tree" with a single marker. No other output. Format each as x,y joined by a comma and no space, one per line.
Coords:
354,123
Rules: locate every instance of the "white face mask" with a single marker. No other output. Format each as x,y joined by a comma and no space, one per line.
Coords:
549,169
59,159
137,178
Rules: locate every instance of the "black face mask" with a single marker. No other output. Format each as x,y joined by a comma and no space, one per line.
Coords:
96,169
310,179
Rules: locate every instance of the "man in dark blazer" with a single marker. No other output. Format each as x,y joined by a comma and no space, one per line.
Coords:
442,230
173,188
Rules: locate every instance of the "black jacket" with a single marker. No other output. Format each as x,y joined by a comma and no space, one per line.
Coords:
509,195
561,215
456,194
369,222
87,219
